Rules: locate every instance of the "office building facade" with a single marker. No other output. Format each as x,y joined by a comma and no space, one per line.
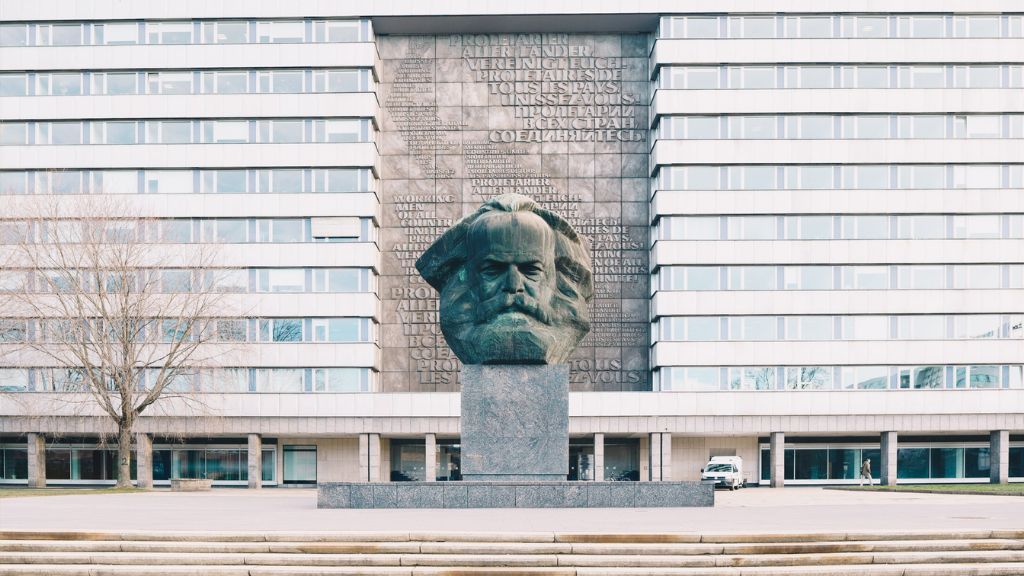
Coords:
807,226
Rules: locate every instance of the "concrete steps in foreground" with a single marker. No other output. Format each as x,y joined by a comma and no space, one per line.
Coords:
977,553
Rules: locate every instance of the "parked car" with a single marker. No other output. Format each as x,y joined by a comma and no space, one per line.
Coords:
725,471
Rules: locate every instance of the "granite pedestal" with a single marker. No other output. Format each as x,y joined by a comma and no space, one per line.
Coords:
515,494
515,422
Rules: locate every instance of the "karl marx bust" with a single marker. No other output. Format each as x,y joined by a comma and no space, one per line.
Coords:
515,280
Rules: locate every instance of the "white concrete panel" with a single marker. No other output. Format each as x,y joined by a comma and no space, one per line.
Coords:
190,56
345,105
666,252
834,50
348,154
795,302
839,352
892,151
842,100
186,9
690,454
897,201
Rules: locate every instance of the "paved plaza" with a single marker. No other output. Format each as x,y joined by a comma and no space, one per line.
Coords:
746,511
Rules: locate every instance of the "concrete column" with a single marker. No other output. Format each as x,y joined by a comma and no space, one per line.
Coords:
430,458
999,455
143,461
36,461
655,456
645,458
890,452
599,457
364,457
777,446
374,457
666,457
255,461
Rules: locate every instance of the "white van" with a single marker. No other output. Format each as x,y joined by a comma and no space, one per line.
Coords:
726,471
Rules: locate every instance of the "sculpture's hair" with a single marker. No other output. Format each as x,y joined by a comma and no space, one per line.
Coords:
443,266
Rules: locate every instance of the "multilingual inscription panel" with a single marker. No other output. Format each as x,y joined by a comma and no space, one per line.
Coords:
558,117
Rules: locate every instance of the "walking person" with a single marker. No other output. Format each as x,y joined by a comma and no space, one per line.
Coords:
865,472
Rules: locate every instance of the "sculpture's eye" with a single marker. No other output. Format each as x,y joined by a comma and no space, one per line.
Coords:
491,269
532,270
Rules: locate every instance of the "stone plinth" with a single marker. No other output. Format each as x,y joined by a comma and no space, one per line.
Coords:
364,495
515,422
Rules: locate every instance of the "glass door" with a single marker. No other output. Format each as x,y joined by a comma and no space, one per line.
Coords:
300,464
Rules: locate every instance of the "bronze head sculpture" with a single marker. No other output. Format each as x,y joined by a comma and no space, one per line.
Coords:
515,280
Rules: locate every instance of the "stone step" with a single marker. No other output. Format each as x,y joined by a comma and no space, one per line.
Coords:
991,569
523,537
506,560
7,546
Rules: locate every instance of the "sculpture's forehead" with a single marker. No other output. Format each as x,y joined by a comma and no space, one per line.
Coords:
507,232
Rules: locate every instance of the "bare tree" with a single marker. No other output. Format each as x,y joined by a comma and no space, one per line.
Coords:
123,321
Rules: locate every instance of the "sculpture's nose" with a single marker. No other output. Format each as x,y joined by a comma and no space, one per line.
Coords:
514,281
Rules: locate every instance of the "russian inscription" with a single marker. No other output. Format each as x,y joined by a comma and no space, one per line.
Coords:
556,117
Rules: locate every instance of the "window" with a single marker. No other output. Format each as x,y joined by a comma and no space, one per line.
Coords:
223,181
340,330
169,131
233,281
690,379
976,26
700,328
337,81
977,277
280,131
866,77
752,278
63,34
282,280
281,32
809,177
117,83
341,379
866,177
809,328
232,330
60,84
976,76
921,227
922,327
810,128
281,330
225,82
176,280
752,227
337,31
752,378
13,84
226,32
807,277
13,379
921,377
751,27
13,132
114,132
691,277
690,228
752,127
922,277
865,26
808,227
977,126
977,377
808,27
116,33
13,330
871,127
752,77
977,176
921,27
225,131
865,377
698,27
279,380
808,377
975,327
168,181
753,328
980,226
233,231
865,327
280,81
169,32
169,82
808,77
865,227
341,280
281,230
921,77
340,130
13,35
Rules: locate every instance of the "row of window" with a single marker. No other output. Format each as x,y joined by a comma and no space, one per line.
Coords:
718,378
846,126
118,33
188,181
276,330
844,26
241,281
822,463
814,277
192,230
840,176
224,380
824,327
845,227
283,131
263,81
778,76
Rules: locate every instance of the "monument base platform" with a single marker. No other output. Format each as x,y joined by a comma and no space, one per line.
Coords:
562,494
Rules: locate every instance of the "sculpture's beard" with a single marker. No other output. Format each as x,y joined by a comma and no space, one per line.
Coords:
504,303
513,328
